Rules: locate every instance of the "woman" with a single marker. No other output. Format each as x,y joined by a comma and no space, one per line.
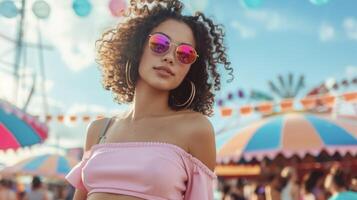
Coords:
163,147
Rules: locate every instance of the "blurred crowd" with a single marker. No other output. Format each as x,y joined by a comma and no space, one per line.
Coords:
334,184
37,190
285,184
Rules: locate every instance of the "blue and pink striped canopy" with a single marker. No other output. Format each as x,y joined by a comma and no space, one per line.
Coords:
19,129
50,165
291,134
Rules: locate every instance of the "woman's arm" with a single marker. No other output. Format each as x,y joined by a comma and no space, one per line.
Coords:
201,139
80,195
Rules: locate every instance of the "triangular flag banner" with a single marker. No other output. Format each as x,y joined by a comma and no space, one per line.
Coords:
246,110
328,100
226,112
265,108
350,97
286,105
308,102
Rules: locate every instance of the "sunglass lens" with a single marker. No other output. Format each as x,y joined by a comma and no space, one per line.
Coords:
159,43
186,54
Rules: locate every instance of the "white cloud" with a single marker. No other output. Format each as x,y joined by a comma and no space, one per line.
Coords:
72,36
36,106
200,5
272,21
244,31
326,32
351,71
26,81
6,89
76,39
266,20
350,26
8,26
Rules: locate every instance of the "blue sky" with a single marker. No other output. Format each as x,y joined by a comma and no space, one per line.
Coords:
279,37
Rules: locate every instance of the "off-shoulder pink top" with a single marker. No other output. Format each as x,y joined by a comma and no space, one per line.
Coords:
148,170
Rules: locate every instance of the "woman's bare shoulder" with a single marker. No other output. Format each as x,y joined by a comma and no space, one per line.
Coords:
94,129
200,138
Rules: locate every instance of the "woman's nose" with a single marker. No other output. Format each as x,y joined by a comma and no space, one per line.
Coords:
168,60
169,56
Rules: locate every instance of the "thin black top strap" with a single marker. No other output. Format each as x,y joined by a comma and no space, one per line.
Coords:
102,135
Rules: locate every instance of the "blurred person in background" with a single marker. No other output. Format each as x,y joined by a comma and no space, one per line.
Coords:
312,187
353,185
336,184
5,190
272,189
50,194
237,191
70,192
20,191
225,188
259,192
37,190
290,186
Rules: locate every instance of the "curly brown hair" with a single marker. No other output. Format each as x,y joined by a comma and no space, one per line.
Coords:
125,43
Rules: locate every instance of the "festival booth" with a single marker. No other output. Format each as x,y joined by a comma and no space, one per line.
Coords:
303,140
48,165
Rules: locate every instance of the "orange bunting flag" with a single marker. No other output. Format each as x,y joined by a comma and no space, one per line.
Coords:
327,100
350,97
246,110
60,118
265,108
48,118
100,116
308,102
286,105
86,118
226,112
73,118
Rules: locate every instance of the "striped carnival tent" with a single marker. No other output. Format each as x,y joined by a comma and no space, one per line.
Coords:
19,129
49,165
289,135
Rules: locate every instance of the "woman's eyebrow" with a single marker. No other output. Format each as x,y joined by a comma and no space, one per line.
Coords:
172,39
163,34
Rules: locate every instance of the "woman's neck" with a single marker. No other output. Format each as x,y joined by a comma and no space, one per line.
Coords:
149,102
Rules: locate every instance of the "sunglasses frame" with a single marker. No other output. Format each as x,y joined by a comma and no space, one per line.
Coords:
173,43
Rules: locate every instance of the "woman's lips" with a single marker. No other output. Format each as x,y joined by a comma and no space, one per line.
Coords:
165,69
163,72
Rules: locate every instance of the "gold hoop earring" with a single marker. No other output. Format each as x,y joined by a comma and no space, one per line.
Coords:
129,82
190,99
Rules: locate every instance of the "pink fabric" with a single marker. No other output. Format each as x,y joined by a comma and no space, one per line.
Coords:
148,170
8,140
